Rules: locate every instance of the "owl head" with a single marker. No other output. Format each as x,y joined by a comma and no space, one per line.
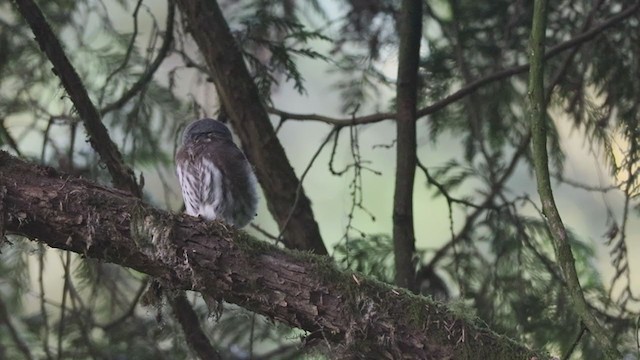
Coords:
205,128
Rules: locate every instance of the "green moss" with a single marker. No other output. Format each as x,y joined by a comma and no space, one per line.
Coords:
137,227
462,310
249,245
373,301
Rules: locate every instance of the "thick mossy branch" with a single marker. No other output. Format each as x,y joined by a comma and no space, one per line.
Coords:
354,314
538,121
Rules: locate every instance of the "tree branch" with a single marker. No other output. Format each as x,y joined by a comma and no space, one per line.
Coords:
538,118
485,205
295,288
520,150
188,319
153,67
474,86
5,136
240,98
410,34
122,176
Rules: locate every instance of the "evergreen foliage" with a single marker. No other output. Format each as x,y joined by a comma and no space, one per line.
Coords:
499,261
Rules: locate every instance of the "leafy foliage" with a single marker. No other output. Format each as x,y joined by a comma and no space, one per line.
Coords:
371,255
498,260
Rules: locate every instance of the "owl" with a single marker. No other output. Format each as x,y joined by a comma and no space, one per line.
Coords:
217,181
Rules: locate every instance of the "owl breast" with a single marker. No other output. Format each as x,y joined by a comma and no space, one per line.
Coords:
217,181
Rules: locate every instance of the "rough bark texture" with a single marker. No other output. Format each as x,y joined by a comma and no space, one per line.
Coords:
122,175
241,100
355,315
410,31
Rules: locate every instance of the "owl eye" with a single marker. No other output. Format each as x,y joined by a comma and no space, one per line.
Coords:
222,134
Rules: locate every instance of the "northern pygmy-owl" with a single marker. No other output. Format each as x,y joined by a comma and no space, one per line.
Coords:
216,179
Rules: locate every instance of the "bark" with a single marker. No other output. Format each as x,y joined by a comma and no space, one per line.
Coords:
410,32
122,175
355,315
537,113
241,100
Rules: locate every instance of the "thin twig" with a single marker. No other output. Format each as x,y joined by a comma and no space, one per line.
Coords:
442,189
153,67
43,310
65,288
8,138
472,87
495,190
122,176
299,188
13,332
568,354
264,232
127,54
130,310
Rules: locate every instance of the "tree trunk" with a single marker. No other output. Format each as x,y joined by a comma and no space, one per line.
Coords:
241,100
410,32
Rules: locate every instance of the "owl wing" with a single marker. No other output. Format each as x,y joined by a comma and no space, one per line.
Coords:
240,183
217,181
